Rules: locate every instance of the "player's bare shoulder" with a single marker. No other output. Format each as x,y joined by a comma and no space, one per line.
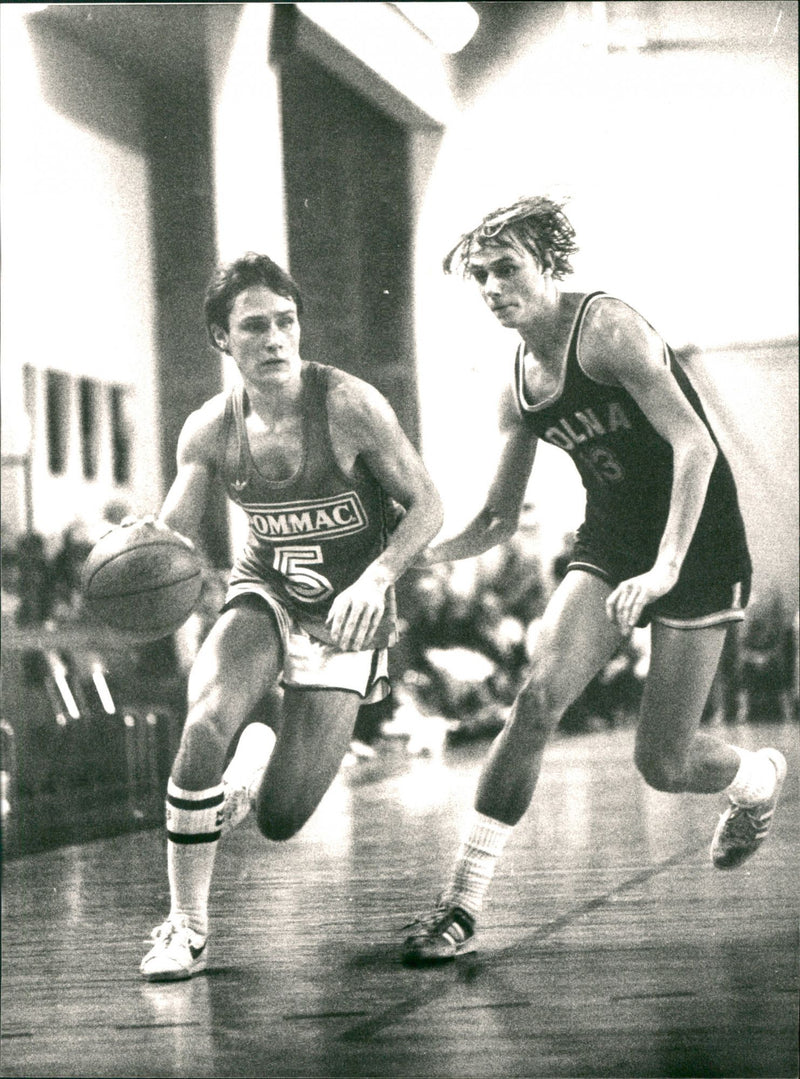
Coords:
357,411
614,338
200,435
361,422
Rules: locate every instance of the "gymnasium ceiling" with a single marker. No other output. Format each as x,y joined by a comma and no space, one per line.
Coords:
165,42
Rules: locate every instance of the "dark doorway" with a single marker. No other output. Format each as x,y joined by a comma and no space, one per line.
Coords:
349,226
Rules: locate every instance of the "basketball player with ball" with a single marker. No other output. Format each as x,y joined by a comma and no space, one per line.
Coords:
317,460
662,544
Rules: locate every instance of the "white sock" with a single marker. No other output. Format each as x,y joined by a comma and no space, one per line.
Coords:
193,831
483,843
755,780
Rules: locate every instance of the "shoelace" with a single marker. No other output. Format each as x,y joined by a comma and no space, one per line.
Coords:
166,931
743,823
435,920
427,920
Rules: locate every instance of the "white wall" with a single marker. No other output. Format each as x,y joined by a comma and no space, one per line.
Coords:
681,174
77,286
246,123
751,398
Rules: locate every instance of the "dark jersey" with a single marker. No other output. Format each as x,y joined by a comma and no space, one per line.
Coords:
312,535
626,468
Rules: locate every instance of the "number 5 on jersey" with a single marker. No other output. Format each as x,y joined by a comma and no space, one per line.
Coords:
302,583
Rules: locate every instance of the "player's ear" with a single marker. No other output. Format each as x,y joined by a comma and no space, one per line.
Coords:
220,337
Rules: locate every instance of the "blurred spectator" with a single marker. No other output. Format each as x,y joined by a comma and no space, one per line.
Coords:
563,558
66,570
369,724
114,513
39,588
8,775
468,688
9,574
766,660
34,581
513,571
462,652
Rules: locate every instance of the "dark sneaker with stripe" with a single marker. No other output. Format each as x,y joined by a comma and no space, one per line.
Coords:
177,953
742,829
439,936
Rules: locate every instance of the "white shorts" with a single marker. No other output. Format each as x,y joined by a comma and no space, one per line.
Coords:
309,663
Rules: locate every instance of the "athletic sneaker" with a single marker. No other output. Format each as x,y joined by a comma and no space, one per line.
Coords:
178,953
742,829
242,778
443,934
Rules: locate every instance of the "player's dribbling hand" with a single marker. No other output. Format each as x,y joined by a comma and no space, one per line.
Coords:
130,521
155,522
625,604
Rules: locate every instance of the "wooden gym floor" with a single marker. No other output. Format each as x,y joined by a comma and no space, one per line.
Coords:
611,947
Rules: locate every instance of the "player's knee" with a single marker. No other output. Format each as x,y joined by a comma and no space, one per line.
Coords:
203,727
218,709
538,709
201,753
279,826
280,817
659,772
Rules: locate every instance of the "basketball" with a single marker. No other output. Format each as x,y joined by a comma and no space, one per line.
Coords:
142,579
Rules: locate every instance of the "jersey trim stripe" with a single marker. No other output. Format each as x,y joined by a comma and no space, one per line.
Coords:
519,365
718,618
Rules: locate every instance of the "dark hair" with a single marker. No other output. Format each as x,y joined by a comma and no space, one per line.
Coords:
536,222
234,277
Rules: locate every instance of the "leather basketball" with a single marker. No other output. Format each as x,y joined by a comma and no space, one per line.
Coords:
142,579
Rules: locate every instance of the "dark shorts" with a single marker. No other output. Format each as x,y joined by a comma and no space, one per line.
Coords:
694,603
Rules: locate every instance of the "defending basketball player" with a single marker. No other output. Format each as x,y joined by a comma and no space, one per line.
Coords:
662,543
313,456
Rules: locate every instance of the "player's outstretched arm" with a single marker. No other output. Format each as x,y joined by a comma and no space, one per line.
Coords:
364,422
498,520
185,503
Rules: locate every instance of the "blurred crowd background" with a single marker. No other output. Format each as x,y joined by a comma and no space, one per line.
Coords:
100,723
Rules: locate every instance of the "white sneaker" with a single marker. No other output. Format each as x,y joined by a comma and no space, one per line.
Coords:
742,829
178,953
242,778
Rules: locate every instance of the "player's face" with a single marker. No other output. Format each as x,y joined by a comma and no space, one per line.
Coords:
263,335
511,282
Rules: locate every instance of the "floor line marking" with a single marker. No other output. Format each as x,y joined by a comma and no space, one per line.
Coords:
391,1015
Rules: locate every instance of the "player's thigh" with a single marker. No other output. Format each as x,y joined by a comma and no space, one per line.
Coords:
239,658
575,638
683,663
316,729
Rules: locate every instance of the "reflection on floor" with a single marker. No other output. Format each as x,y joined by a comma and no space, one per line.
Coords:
609,946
